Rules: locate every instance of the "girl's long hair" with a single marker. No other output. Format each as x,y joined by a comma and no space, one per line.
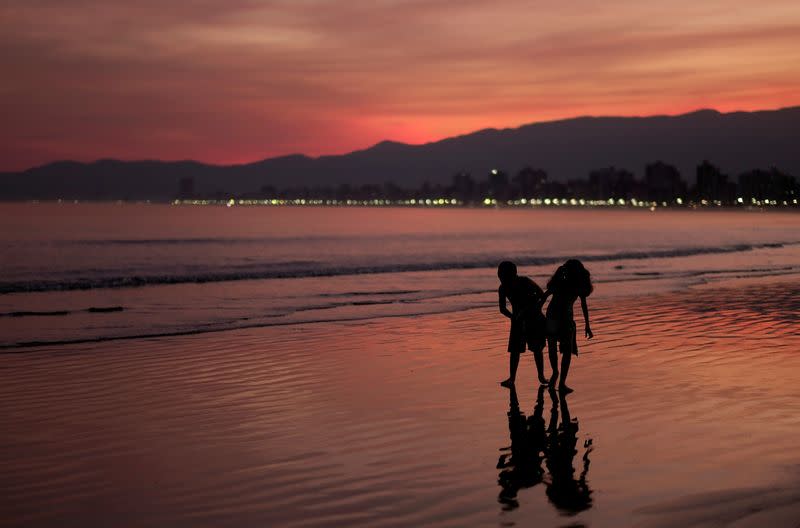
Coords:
571,277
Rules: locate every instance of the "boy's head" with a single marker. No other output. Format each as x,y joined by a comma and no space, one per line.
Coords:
506,271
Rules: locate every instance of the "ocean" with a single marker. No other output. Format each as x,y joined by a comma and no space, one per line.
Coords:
94,272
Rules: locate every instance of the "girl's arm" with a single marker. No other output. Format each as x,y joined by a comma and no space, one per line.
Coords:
501,301
585,309
546,294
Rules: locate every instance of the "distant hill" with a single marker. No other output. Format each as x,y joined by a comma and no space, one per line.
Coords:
566,149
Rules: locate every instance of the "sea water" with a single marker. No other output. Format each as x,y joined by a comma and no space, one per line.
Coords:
93,272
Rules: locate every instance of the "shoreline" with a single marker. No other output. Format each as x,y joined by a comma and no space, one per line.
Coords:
719,284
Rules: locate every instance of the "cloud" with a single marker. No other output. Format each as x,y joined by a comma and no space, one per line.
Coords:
246,79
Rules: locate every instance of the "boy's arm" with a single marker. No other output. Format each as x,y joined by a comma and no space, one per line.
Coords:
585,309
501,301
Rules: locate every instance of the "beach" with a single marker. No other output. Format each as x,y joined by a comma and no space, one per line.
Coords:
343,370
686,408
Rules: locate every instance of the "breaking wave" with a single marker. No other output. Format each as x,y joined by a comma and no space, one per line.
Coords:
315,269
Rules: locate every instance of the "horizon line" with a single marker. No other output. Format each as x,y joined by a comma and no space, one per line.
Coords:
390,141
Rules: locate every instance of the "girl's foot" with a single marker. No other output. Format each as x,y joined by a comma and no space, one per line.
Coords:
554,378
564,389
507,383
543,380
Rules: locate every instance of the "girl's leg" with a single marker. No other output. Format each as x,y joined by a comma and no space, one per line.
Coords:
513,363
566,358
538,357
552,349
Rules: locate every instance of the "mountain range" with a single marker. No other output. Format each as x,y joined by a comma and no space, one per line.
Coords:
566,149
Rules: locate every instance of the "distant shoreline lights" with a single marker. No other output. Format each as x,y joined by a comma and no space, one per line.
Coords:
440,202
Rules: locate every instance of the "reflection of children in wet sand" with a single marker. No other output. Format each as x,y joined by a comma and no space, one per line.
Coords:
521,465
527,322
568,494
531,443
570,282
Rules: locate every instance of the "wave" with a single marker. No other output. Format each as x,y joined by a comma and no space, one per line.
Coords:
22,346
56,313
307,238
323,311
355,293
164,241
296,270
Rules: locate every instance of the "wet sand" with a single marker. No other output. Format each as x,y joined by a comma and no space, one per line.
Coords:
686,413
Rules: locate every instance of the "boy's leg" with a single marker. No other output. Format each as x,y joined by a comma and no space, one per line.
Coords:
552,349
513,363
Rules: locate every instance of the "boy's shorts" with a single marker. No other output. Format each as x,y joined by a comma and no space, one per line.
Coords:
530,333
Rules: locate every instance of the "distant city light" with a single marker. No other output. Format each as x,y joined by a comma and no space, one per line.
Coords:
450,201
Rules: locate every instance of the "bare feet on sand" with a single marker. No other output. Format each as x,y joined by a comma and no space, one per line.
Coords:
507,383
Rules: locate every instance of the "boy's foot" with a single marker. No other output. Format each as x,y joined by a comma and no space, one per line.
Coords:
543,381
564,389
554,378
507,383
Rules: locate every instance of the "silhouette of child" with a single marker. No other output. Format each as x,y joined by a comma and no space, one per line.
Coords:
520,464
527,321
568,283
570,495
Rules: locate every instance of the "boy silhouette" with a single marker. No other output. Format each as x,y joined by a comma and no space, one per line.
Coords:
527,321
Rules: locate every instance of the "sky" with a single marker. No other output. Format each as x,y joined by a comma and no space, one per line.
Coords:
232,81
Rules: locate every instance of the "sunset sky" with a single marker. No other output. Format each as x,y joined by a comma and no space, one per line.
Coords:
240,80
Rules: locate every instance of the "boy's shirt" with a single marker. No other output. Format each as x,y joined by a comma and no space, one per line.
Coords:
524,294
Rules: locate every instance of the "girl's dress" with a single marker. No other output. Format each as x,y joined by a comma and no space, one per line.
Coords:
560,318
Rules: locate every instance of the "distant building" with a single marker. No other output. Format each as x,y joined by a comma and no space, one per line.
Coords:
664,183
554,189
530,182
464,187
186,188
762,185
612,183
499,185
578,189
712,185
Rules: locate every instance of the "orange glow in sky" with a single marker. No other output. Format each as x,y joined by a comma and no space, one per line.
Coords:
242,80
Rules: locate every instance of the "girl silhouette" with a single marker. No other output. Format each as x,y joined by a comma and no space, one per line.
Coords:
568,283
